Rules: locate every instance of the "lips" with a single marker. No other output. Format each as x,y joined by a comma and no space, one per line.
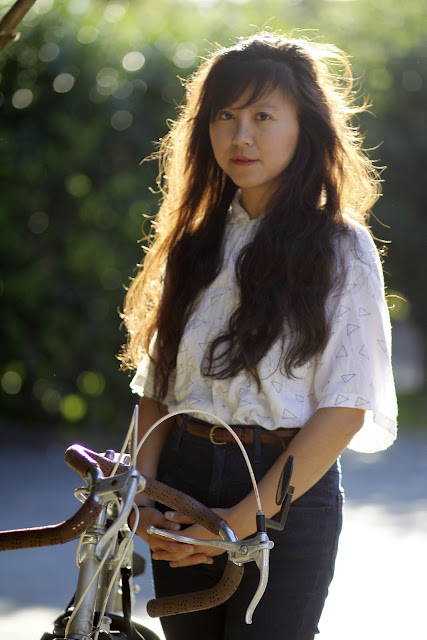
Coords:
243,161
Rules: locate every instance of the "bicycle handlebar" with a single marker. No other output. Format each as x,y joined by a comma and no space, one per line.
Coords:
80,459
55,533
199,600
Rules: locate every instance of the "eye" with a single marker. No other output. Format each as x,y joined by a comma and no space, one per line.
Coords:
224,115
262,116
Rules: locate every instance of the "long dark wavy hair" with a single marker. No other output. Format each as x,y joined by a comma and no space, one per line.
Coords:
286,273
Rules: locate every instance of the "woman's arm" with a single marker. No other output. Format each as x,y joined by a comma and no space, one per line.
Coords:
315,448
147,463
149,455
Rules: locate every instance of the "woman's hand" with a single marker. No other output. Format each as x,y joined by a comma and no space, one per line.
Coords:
178,553
190,554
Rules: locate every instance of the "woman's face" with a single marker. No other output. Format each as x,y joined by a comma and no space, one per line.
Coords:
254,144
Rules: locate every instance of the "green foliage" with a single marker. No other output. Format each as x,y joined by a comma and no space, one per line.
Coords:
83,94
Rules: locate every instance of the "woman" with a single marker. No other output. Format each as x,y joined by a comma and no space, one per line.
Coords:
261,301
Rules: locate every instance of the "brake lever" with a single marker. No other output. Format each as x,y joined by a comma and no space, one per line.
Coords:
255,549
239,551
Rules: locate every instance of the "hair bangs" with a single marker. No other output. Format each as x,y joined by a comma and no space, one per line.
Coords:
231,79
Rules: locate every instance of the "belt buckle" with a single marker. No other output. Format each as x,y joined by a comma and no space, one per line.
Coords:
211,434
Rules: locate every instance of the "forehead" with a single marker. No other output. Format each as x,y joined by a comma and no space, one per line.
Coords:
271,99
244,83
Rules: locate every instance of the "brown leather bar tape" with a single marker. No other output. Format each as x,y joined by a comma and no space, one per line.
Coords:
207,599
185,504
79,458
52,534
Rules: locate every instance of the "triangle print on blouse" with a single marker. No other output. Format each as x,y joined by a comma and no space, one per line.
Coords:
363,312
288,415
347,377
351,328
342,353
361,401
383,345
364,352
342,310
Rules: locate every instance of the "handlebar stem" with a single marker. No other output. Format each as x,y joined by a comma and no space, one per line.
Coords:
82,623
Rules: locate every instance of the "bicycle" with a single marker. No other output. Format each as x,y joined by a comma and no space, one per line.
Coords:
101,605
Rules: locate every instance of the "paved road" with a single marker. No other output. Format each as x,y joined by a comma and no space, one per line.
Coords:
377,593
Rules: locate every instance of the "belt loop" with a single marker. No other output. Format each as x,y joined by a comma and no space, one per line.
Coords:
180,430
257,444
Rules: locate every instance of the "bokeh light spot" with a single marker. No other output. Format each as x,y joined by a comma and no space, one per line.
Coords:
78,7
78,185
22,98
48,52
185,55
87,34
133,61
11,382
91,383
73,407
121,120
38,222
42,6
107,78
63,82
114,11
50,400
123,90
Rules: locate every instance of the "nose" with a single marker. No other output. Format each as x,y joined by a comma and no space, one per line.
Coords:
243,133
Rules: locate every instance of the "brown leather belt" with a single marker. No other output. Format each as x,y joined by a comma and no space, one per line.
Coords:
220,435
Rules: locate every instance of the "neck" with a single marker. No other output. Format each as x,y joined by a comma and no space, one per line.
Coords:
253,202
253,208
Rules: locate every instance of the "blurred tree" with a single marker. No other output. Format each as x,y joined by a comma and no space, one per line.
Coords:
83,94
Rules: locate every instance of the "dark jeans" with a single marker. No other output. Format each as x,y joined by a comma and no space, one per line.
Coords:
301,562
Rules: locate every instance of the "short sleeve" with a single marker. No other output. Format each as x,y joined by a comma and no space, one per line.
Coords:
355,368
143,381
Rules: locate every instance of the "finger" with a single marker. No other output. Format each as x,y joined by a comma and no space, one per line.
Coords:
158,520
165,523
174,549
196,558
177,516
161,553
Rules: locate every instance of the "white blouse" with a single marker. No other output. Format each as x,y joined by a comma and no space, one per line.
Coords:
354,370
